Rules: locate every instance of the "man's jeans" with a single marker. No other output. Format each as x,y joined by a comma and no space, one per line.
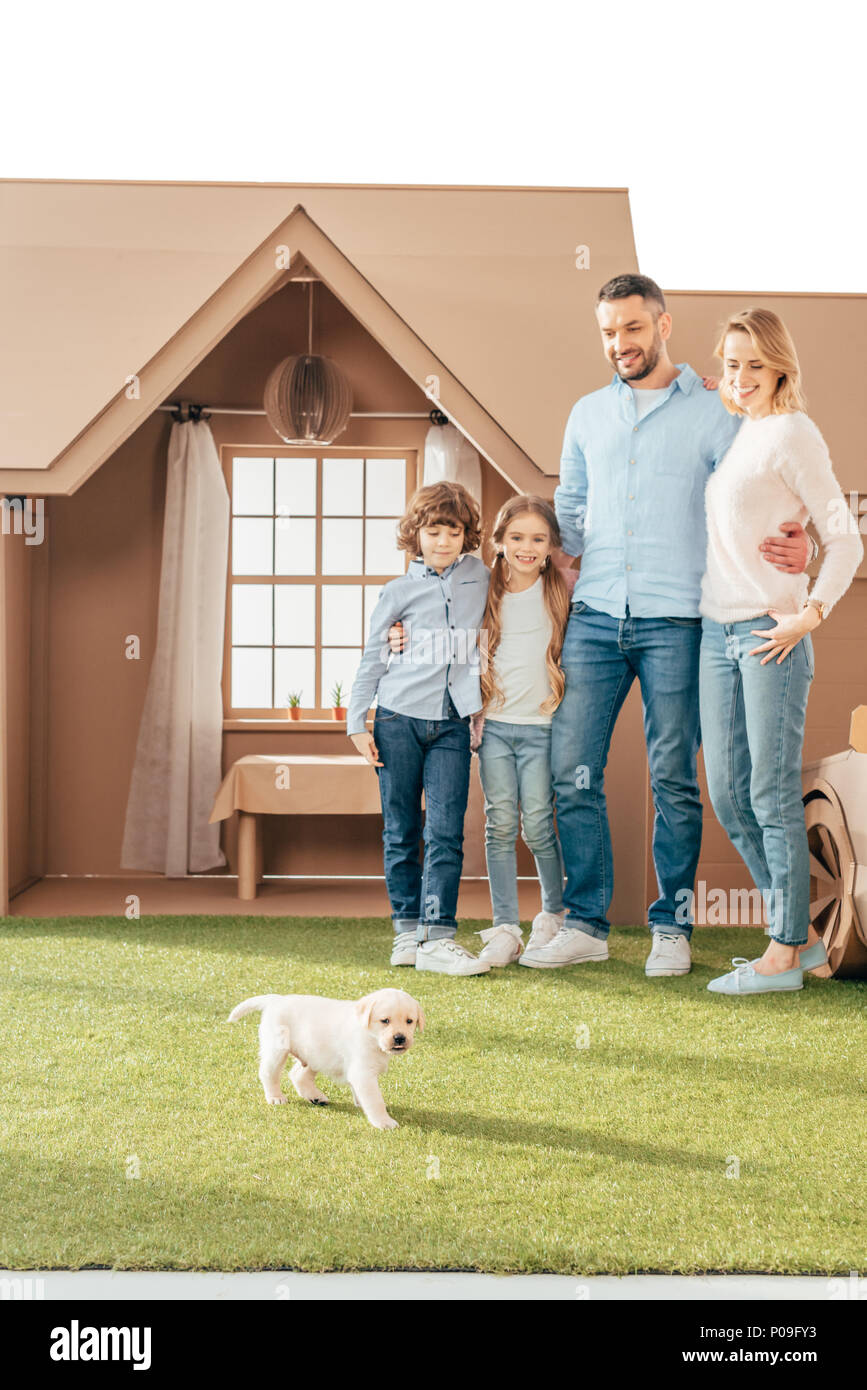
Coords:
753,721
515,766
431,755
601,658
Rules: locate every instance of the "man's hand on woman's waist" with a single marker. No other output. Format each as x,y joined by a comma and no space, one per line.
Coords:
791,552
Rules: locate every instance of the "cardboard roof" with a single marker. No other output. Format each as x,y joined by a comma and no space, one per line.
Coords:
103,281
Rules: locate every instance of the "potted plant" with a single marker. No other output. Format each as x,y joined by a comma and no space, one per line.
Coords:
293,701
338,710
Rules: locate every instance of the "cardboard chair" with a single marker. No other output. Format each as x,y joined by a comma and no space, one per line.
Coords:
835,806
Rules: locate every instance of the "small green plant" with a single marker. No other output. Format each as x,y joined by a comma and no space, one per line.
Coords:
337,695
293,699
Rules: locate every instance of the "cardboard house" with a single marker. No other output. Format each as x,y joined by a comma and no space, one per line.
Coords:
124,300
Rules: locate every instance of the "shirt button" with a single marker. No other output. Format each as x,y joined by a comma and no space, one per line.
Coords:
629,533
634,429
629,567
632,460
632,496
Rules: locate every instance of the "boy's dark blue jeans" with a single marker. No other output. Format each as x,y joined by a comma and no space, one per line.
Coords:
430,755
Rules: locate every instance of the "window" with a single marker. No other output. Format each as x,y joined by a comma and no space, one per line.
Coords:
312,543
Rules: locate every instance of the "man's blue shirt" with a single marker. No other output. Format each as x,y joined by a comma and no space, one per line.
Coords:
631,496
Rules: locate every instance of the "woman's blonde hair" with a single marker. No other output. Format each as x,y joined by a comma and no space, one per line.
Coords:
773,344
554,594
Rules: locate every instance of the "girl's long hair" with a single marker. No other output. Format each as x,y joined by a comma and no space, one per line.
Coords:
554,593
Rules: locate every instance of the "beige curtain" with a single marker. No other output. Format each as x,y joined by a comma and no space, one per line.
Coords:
450,457
177,768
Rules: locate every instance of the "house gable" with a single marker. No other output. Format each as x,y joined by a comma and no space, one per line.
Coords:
477,282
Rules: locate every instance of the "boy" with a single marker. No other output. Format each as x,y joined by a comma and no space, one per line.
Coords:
421,728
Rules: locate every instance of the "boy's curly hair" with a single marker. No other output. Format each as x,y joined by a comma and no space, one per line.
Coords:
440,504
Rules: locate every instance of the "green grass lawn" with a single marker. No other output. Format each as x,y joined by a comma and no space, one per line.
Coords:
135,1134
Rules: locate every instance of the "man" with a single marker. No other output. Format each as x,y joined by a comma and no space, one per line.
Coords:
636,457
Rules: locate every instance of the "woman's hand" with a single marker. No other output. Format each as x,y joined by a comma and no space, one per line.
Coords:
367,748
790,628
710,383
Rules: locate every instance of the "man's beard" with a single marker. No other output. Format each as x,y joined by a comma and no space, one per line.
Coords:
650,362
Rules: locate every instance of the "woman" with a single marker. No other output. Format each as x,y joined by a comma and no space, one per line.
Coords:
753,698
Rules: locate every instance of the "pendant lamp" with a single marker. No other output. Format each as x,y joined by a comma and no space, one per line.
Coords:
307,397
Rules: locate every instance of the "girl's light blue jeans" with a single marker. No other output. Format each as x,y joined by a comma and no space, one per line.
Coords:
752,724
515,767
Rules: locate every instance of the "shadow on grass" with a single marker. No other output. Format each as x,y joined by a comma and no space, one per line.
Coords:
507,1131
541,1134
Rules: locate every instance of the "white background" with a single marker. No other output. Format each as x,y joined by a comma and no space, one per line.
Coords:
738,127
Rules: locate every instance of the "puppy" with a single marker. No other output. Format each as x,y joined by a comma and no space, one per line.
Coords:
350,1040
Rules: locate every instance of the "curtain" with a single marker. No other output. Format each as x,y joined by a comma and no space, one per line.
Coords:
177,768
450,457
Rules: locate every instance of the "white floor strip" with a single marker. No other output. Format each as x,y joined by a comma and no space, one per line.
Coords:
276,1285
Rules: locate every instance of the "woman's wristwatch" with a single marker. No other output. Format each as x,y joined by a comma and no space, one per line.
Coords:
820,607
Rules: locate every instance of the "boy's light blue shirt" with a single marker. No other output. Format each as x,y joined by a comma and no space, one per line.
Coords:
631,495
441,614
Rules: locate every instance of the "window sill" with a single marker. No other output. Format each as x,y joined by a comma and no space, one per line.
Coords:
286,726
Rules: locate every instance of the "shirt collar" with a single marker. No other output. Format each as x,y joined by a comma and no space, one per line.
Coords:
686,382
419,570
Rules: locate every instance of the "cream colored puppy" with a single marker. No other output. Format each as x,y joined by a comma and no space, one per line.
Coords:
349,1040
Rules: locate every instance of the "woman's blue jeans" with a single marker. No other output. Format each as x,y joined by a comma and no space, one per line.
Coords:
515,766
430,755
752,721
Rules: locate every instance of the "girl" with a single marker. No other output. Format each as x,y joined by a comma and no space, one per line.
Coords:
753,706
521,686
421,728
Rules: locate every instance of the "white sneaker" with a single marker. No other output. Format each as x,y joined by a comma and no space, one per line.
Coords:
404,948
669,955
545,927
448,958
503,944
571,946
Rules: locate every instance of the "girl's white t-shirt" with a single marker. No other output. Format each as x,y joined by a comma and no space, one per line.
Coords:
519,661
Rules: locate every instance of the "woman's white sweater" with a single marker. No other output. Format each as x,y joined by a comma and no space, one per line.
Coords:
777,469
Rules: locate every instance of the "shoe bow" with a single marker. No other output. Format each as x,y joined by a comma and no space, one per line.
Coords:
742,966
